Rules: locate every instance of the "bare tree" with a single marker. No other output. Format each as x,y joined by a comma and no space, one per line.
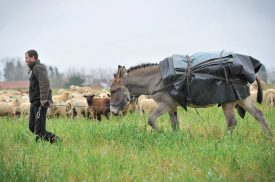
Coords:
271,75
93,76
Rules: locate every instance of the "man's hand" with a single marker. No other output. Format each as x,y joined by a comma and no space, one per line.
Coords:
45,103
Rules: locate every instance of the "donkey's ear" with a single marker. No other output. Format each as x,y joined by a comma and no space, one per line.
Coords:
117,75
124,69
120,71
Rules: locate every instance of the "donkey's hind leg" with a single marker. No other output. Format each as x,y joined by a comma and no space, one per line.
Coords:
162,108
248,105
228,110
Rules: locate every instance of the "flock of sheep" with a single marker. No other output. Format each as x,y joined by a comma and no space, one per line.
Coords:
86,102
74,102
268,95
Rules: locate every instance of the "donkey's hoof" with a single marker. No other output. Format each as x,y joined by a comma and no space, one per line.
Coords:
152,124
269,136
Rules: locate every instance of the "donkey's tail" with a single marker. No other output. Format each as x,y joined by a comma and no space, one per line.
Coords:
260,90
242,111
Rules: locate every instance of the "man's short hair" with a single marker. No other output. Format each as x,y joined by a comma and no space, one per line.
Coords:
32,53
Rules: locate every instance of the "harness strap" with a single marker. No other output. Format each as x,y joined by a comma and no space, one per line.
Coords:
117,104
166,86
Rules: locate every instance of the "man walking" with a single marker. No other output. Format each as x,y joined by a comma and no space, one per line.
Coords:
40,96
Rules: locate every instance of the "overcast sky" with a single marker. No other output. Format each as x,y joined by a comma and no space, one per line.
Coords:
98,33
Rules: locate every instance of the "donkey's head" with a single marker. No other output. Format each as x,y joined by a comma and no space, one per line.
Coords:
120,96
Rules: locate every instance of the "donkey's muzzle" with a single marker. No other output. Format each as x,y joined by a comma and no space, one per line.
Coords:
115,111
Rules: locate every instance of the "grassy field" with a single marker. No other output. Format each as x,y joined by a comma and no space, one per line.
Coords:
125,149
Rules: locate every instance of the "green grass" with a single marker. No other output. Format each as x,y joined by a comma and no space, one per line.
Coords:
125,149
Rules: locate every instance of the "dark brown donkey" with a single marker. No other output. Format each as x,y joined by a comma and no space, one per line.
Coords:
147,80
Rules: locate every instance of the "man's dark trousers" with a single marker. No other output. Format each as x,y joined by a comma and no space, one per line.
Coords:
37,122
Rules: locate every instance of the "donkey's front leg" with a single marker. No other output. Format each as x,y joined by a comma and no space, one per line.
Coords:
162,108
174,120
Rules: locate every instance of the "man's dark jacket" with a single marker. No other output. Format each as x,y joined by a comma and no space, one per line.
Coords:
39,83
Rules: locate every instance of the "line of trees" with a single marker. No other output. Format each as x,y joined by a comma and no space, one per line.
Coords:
15,69
271,76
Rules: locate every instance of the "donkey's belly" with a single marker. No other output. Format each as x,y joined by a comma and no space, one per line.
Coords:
194,106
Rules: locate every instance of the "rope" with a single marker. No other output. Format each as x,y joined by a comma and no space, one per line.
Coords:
58,105
98,107
38,113
199,114
82,106
224,69
188,75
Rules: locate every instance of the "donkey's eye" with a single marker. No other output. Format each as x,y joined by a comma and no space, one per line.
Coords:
114,91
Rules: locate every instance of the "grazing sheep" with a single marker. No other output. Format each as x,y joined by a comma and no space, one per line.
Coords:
8,108
81,90
140,98
148,105
253,95
269,97
58,109
98,106
62,97
25,98
23,109
77,107
5,98
131,107
60,91
76,95
103,94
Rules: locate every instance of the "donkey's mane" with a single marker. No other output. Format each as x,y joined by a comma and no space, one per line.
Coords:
140,66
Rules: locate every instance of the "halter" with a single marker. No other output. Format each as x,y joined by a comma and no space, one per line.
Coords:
118,104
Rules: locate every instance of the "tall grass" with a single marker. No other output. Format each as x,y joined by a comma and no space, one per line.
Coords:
126,149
